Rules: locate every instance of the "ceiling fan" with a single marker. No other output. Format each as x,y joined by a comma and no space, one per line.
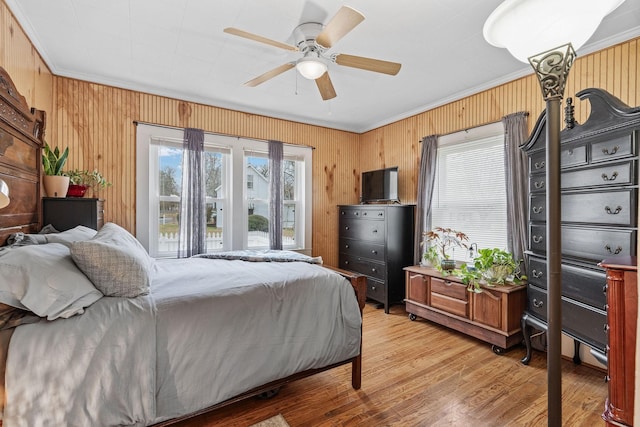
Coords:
314,40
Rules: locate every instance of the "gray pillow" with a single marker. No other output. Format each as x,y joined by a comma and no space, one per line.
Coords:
44,280
117,264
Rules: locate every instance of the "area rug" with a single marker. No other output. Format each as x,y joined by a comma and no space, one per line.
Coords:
277,421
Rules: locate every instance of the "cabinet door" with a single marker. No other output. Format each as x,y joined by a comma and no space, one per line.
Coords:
417,288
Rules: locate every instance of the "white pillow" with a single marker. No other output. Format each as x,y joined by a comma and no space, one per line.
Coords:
44,280
117,264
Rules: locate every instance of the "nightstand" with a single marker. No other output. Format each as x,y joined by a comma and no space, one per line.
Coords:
64,213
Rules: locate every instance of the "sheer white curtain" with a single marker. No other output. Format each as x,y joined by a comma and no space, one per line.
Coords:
192,231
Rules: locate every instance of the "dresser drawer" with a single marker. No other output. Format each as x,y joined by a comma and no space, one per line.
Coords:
581,284
376,289
362,230
538,207
603,176
362,248
603,207
449,296
615,148
365,266
363,213
582,321
537,183
593,244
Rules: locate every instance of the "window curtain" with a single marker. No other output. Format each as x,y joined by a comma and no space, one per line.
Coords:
517,172
192,231
275,194
426,179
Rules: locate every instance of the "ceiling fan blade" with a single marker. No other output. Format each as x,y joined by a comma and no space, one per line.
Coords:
269,74
257,38
342,22
325,87
370,64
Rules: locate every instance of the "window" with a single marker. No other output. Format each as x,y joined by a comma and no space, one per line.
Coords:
237,202
470,192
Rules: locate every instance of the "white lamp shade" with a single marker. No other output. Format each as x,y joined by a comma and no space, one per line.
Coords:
311,68
530,27
4,194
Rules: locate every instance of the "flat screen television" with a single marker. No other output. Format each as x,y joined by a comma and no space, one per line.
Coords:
380,185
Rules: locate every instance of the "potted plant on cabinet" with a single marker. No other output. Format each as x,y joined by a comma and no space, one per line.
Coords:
445,240
55,183
81,180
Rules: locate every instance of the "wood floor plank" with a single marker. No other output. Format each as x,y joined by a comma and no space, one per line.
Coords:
422,374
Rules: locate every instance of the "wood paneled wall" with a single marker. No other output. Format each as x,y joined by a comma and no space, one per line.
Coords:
96,122
616,69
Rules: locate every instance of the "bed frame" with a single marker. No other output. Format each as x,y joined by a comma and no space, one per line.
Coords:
21,141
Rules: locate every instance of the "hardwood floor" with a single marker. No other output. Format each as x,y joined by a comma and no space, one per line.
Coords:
422,374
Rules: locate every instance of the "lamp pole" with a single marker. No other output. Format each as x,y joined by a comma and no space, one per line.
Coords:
552,69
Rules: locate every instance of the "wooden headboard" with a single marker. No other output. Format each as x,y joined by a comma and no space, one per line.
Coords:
21,141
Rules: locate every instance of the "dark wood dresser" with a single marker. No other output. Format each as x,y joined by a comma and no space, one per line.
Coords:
67,212
377,241
599,196
622,302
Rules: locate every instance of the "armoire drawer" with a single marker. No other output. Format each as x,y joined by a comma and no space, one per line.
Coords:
582,284
603,176
594,244
362,248
363,230
580,320
613,148
601,207
365,266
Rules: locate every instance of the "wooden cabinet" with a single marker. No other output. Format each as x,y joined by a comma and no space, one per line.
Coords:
67,212
599,218
377,241
492,315
622,310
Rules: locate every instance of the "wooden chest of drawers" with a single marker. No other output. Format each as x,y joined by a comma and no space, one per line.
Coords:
377,241
492,315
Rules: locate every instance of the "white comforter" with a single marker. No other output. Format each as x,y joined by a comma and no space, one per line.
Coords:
209,330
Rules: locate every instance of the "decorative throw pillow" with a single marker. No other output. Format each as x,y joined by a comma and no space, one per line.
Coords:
44,280
117,264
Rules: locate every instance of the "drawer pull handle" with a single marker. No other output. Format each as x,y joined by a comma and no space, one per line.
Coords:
606,328
605,288
539,165
346,246
373,270
363,214
537,239
448,282
616,252
613,151
346,263
613,177
346,227
375,231
539,184
373,288
537,303
536,274
608,210
380,214
373,251
537,209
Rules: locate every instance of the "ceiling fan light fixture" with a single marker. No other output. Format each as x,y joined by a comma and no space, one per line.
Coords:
311,67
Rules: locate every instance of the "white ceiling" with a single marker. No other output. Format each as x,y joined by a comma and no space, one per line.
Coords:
177,48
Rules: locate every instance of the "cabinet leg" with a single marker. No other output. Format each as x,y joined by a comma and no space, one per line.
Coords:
526,332
576,352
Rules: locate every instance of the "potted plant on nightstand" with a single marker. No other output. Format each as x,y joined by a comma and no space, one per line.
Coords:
55,183
81,180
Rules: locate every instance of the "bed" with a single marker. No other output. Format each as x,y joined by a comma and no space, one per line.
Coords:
113,337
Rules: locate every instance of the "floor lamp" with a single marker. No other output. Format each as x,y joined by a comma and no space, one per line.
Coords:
538,32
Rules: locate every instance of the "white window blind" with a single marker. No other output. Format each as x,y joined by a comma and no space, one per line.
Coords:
470,193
